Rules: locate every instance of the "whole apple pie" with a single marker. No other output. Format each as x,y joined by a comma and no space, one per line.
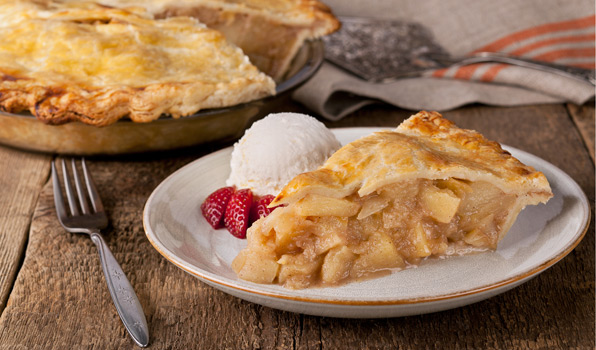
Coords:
388,201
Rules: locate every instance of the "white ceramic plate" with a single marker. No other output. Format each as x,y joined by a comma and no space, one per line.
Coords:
541,236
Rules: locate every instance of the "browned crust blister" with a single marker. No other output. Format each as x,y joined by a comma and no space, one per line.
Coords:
326,21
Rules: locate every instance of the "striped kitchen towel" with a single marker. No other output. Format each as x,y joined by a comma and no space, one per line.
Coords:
556,31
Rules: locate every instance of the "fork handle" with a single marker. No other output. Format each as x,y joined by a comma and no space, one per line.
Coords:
586,75
124,297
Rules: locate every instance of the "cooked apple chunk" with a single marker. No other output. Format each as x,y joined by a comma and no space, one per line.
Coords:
440,204
389,201
313,204
337,264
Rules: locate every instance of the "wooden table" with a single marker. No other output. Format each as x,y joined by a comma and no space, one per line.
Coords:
53,294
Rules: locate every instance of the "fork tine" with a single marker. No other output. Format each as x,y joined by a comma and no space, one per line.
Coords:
93,194
74,210
58,198
79,187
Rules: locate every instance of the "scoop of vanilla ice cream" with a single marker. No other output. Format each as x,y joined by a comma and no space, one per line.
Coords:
277,148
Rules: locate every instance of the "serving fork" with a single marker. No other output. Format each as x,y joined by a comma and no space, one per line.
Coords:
87,215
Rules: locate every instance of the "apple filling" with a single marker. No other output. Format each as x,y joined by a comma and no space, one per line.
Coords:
326,241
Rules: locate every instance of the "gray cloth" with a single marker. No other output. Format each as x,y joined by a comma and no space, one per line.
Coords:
551,30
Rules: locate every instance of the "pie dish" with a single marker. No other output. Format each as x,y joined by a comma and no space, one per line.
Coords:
388,201
225,124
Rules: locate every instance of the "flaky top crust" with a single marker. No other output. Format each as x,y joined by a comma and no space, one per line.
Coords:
97,64
425,146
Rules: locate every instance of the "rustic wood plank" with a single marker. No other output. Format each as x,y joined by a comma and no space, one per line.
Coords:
583,116
60,291
60,300
21,178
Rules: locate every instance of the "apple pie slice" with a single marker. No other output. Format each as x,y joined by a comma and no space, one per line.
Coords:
387,201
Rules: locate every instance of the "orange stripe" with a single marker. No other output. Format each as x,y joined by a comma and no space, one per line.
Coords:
543,43
565,53
542,29
466,72
584,65
492,72
439,73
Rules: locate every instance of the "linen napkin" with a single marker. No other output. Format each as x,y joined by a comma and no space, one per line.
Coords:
557,31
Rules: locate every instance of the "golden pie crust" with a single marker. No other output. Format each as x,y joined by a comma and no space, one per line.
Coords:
424,146
388,201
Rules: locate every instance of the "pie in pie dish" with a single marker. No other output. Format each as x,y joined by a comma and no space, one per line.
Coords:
388,201
269,32
98,62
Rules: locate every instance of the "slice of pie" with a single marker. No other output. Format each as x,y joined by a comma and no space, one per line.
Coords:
387,201
270,32
86,62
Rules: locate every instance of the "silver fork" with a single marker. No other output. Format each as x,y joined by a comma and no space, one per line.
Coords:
89,217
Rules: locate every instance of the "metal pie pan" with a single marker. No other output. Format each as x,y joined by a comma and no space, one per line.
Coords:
24,131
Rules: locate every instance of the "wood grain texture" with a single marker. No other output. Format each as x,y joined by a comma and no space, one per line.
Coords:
60,301
23,174
583,116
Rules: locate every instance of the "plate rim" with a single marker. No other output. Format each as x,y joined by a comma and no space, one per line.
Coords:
509,282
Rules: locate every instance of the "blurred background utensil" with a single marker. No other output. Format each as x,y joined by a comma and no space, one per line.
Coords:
88,216
380,50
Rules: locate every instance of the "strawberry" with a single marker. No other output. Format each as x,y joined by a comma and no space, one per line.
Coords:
237,213
214,206
259,208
